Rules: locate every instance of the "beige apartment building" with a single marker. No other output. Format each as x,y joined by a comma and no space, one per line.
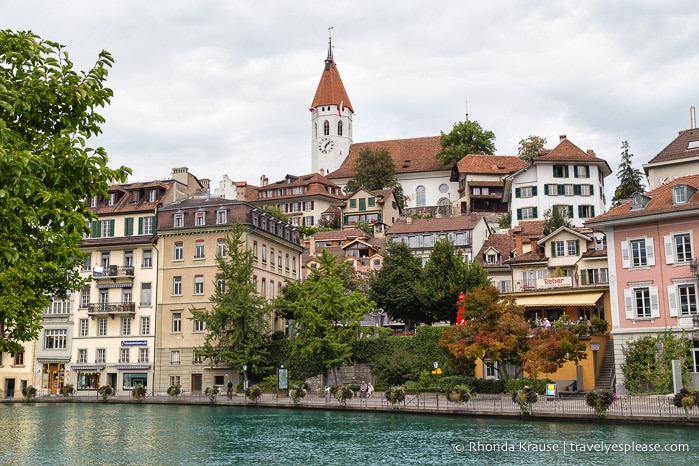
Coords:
192,232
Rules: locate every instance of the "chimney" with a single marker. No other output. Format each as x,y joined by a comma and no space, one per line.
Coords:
263,180
312,246
591,153
534,246
563,137
692,117
408,220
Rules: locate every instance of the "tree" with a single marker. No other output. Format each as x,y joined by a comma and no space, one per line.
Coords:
48,113
555,218
394,288
326,312
496,331
375,170
444,277
236,326
465,138
529,148
630,179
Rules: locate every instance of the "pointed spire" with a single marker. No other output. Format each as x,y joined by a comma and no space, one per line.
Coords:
330,90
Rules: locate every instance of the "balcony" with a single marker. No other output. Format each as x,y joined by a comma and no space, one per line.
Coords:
111,309
113,272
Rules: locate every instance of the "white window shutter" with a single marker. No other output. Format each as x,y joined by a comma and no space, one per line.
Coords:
625,260
669,250
650,252
654,305
672,299
628,303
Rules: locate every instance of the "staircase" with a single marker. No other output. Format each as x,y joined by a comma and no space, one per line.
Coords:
607,376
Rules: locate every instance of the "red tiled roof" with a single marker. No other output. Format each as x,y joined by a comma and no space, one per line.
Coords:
315,184
330,90
660,202
566,151
339,234
501,242
461,222
532,228
679,148
490,164
526,258
409,155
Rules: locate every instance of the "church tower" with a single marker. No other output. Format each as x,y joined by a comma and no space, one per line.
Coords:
331,120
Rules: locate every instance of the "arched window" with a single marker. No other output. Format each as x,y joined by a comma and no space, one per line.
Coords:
420,196
443,201
339,128
315,130
326,128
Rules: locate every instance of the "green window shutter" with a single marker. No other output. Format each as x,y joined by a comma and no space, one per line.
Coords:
128,226
570,211
561,189
380,217
362,203
111,227
587,170
567,174
519,214
583,277
535,212
553,249
96,228
546,190
576,189
592,211
518,192
372,201
592,190
155,222
580,211
533,190
140,225
575,171
353,203
577,247
345,221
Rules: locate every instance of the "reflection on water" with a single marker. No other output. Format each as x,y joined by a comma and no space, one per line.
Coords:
107,433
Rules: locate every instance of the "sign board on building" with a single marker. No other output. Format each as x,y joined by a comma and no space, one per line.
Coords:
554,282
134,343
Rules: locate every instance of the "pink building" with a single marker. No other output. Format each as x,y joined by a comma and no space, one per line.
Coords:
651,243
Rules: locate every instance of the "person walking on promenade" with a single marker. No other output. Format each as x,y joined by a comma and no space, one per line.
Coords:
362,390
230,389
369,389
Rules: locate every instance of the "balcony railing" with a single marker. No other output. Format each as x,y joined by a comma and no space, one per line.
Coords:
112,308
113,271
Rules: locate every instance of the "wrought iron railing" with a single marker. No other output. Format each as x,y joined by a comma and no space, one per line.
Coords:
111,308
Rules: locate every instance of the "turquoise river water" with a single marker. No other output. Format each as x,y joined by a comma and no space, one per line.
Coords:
80,433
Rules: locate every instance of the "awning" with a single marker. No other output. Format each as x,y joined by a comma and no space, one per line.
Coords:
53,360
133,366
560,300
87,368
115,285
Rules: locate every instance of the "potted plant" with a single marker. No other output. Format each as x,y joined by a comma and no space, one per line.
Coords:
297,393
68,390
687,400
29,392
174,390
395,395
106,391
254,393
459,394
343,394
139,392
211,392
600,401
525,398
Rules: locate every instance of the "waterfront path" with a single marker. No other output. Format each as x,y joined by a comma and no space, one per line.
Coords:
651,409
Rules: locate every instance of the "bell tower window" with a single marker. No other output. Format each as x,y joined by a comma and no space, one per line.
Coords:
339,128
326,128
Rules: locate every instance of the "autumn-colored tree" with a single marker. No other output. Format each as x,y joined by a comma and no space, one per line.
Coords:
496,331
467,137
529,148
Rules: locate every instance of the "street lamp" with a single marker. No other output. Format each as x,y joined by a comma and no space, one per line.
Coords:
245,383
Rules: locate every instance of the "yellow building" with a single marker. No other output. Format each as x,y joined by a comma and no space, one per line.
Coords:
192,232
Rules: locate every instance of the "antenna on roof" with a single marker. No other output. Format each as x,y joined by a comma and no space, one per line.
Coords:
466,109
692,117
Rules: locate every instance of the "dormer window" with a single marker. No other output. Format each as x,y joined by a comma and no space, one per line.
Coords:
93,201
200,218
639,201
133,196
152,195
679,194
178,220
491,258
112,198
221,216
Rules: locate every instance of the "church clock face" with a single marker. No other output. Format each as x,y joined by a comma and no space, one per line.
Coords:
326,145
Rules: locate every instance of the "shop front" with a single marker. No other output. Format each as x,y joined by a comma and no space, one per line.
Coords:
53,374
133,375
88,376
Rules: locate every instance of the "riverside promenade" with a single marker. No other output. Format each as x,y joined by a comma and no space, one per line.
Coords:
650,409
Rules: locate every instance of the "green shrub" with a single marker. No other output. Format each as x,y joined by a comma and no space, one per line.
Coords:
513,385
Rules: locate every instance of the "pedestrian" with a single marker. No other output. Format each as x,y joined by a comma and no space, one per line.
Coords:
547,323
362,390
230,389
370,389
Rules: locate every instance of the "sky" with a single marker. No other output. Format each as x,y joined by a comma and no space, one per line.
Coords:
223,87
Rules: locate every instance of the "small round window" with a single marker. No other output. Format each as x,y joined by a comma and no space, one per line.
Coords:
443,188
